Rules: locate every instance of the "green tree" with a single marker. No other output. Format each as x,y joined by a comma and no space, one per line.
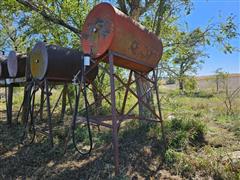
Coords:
185,51
183,60
221,79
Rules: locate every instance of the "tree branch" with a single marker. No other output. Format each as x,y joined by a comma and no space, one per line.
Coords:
49,17
148,4
159,17
122,5
168,69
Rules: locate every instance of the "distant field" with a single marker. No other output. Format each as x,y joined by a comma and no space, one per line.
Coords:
210,82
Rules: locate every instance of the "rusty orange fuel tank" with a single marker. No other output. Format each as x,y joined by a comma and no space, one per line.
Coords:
108,29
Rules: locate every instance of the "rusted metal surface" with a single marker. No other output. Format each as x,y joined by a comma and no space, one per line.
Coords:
57,63
159,109
114,116
16,64
107,28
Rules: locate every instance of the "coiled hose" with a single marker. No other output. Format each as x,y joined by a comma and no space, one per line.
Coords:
31,111
79,83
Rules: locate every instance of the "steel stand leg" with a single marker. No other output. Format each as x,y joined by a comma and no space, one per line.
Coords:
6,100
9,104
27,94
50,136
64,101
41,103
114,116
159,109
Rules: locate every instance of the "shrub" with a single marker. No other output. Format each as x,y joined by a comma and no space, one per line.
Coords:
180,163
170,80
190,84
181,132
81,134
200,94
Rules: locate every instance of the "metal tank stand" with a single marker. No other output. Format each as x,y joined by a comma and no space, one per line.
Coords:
118,116
50,135
42,100
9,103
115,122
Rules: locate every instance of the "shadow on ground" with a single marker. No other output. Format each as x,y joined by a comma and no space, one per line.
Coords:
139,156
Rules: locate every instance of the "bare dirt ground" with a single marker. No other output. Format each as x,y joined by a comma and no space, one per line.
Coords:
139,159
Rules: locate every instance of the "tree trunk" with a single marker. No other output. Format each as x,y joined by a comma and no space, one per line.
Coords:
142,86
97,100
181,85
181,77
217,84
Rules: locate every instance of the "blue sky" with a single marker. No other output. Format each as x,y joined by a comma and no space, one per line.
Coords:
200,15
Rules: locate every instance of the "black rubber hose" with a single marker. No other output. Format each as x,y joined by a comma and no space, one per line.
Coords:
76,112
30,110
87,114
20,109
32,117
